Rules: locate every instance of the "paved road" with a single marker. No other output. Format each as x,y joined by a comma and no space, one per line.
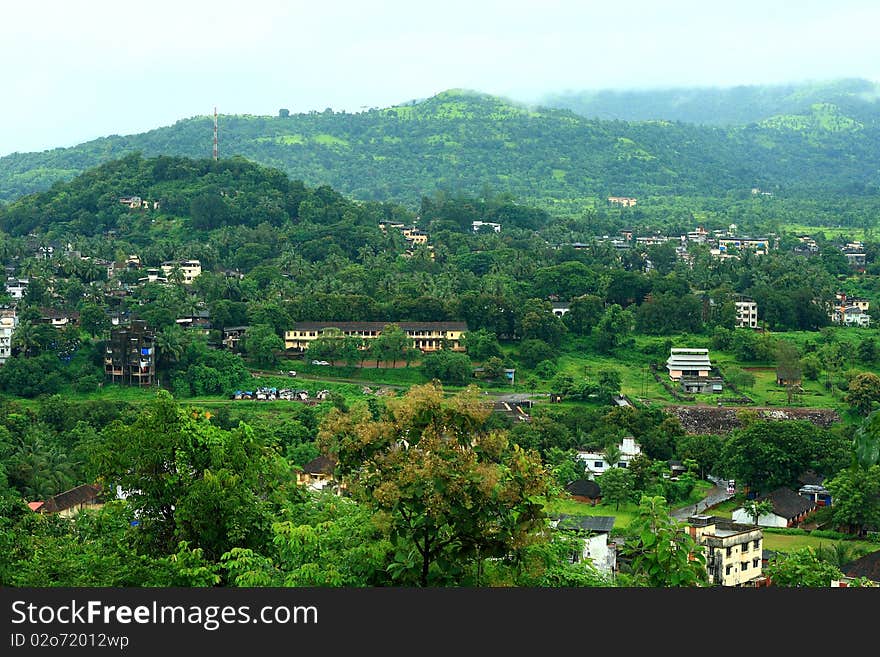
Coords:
714,495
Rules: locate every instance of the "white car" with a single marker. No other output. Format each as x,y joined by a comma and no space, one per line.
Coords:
320,362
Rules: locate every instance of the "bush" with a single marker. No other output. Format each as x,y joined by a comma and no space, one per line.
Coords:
826,533
87,383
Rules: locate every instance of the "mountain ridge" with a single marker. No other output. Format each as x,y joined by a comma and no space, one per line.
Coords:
463,141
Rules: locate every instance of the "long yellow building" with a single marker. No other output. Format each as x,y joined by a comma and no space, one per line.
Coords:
427,336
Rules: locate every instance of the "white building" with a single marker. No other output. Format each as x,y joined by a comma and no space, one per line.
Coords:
476,225
746,313
16,287
593,531
189,269
596,463
560,308
8,324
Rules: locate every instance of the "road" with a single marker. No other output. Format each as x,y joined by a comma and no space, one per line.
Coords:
715,495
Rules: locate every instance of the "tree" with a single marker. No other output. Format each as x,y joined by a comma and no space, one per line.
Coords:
261,343
583,314
448,367
856,495
739,378
390,344
660,552
611,329
449,491
756,509
863,393
532,352
481,344
772,453
801,567
609,384
866,442
616,485
186,479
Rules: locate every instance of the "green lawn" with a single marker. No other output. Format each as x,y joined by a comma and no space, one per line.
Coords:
789,542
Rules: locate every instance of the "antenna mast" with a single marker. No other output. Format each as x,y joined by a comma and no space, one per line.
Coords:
216,142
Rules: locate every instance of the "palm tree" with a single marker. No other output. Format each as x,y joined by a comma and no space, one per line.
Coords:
839,554
612,454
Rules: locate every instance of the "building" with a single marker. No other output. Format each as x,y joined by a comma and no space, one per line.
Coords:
593,531
759,245
426,336
625,201
71,502
596,463
560,308
700,235
59,318
8,324
687,362
17,287
733,550
130,354
584,490
232,335
746,313
189,270
789,509
317,473
856,257
154,275
477,225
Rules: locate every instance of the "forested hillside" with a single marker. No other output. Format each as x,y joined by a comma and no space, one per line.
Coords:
468,143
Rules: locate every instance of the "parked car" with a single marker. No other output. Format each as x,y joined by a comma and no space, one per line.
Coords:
291,372
320,362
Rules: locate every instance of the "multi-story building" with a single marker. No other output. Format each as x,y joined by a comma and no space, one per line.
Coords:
232,335
17,287
733,550
686,362
850,311
758,244
427,336
189,269
625,201
130,354
8,324
746,313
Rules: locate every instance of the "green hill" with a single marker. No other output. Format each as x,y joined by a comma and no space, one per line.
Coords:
466,142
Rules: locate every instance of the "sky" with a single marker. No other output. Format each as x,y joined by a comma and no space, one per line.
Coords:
75,70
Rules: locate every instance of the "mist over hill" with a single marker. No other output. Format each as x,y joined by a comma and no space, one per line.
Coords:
728,106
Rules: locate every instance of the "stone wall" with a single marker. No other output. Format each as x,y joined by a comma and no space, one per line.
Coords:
719,420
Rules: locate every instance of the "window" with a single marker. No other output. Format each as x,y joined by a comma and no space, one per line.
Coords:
755,562
729,551
598,464
622,464
743,566
757,544
727,569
